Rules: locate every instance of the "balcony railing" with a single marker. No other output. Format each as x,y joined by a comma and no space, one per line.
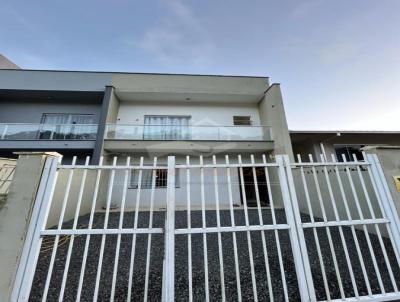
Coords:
48,132
178,132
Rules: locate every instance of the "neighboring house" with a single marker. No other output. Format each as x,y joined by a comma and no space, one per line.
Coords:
132,114
7,64
339,142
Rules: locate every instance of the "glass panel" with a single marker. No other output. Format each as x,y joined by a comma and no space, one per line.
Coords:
20,131
166,128
186,132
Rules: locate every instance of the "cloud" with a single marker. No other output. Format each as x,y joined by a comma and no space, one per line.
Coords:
178,38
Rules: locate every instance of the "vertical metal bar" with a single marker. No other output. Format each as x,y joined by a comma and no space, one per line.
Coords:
342,238
90,225
235,252
353,231
311,212
135,225
149,237
103,237
303,268
72,238
378,231
169,277
189,225
120,226
221,259
59,226
203,218
260,218
388,203
249,243
367,235
383,203
33,240
276,232
327,229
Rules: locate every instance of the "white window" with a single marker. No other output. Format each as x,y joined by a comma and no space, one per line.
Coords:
147,178
67,126
161,127
66,118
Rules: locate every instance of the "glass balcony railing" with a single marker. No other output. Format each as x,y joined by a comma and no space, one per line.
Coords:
48,132
178,132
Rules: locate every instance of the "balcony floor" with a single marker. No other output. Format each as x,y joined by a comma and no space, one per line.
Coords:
186,147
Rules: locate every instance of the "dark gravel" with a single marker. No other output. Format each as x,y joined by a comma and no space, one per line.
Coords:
181,268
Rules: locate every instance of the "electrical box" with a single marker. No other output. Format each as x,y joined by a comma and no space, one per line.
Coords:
397,182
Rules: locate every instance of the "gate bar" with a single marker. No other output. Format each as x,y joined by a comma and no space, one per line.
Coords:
302,263
169,271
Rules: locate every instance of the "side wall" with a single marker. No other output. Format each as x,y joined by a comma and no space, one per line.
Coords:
272,113
32,112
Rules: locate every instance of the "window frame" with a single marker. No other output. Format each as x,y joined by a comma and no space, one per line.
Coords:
236,118
149,187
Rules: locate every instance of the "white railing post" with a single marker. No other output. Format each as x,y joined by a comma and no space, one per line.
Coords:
169,252
302,263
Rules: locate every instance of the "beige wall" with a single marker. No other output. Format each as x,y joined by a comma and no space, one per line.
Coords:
15,216
272,113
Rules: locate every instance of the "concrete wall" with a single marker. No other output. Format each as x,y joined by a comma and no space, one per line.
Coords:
32,112
201,114
15,216
54,80
272,113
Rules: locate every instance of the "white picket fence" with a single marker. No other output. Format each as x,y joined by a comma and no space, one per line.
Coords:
220,228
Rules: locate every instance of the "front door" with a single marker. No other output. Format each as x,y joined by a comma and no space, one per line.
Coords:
250,187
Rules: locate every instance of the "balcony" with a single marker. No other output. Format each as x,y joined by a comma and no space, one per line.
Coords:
175,138
47,136
184,133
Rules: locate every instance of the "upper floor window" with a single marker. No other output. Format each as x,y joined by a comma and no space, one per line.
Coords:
160,178
242,120
66,118
166,127
67,126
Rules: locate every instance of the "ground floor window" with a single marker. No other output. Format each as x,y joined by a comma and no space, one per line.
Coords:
249,183
161,178
348,151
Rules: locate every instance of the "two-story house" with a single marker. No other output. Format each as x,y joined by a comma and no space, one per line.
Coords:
144,115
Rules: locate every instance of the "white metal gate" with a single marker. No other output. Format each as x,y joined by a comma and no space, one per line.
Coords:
228,228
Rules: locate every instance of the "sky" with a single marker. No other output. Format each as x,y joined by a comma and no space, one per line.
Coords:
338,62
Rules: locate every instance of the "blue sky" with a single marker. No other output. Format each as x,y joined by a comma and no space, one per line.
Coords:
338,62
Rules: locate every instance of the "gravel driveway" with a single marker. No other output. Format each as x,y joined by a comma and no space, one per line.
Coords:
181,250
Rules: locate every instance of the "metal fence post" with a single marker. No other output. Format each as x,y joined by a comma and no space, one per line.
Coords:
302,264
169,252
386,197
30,253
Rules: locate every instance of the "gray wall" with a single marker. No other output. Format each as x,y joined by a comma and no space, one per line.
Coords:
54,80
272,113
32,112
